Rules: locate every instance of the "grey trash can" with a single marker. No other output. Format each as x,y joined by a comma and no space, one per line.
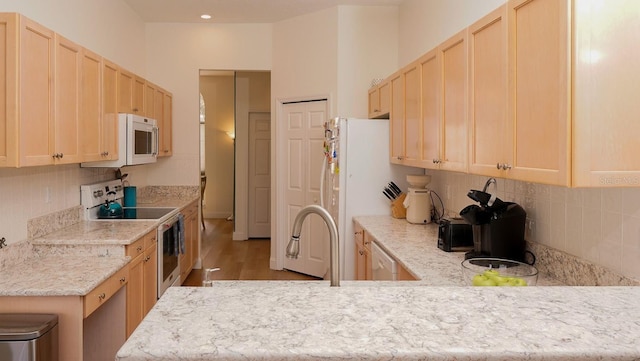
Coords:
28,337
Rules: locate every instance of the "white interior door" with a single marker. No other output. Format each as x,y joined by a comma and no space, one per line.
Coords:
259,175
304,134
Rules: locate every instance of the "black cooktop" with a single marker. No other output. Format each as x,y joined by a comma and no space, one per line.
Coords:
145,213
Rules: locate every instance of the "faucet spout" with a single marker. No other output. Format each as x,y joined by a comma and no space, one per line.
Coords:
293,248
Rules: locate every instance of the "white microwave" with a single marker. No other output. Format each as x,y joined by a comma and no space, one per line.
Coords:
137,142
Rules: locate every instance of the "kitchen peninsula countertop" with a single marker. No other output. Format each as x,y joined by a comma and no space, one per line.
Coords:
371,321
383,320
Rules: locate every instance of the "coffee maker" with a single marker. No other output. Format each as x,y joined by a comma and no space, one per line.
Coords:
498,227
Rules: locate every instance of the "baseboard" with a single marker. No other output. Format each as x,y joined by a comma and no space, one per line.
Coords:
240,236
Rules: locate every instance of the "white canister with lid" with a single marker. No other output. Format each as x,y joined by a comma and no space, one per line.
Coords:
419,206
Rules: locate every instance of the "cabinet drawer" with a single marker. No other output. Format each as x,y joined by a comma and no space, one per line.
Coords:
136,248
150,239
105,290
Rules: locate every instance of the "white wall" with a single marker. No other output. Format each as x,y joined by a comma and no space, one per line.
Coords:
174,55
426,23
367,49
107,27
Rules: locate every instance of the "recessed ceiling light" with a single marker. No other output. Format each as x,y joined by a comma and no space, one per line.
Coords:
205,16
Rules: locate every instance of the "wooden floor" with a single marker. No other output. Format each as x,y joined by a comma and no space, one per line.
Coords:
237,260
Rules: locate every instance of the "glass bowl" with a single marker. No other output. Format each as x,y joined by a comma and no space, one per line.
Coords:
498,272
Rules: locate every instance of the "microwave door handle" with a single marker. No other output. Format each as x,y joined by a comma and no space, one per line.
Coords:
157,143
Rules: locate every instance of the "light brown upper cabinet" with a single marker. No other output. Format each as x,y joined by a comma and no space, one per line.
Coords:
412,124
9,91
428,114
379,100
453,146
149,97
48,125
165,128
431,88
68,88
487,114
125,90
396,118
130,93
138,98
539,91
91,106
36,87
606,128
99,108
109,127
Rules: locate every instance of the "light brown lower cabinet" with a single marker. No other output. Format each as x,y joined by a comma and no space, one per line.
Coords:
90,327
192,230
403,274
143,284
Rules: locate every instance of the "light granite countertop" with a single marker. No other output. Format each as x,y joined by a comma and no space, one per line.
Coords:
77,257
383,320
370,321
57,275
415,247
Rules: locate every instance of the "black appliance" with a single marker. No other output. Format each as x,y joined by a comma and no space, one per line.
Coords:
498,227
455,235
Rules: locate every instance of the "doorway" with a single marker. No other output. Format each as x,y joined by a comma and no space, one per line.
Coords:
229,99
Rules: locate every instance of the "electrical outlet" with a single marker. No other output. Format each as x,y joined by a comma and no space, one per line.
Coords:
47,194
447,191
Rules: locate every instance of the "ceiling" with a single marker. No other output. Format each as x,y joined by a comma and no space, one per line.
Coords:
236,11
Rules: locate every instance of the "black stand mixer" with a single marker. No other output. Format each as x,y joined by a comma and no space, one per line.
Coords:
498,227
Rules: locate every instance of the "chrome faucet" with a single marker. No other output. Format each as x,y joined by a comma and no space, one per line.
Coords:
489,182
293,248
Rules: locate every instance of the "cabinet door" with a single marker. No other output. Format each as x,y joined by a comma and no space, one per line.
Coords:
412,125
165,129
396,118
68,66
488,94
404,274
91,107
453,54
37,47
195,232
606,127
368,266
150,266
374,102
138,98
358,243
539,91
360,263
109,124
384,97
125,91
8,101
149,99
135,292
431,87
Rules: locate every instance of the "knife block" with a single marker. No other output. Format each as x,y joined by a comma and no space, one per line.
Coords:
397,208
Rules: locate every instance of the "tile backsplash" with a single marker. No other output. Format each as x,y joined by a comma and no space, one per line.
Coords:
599,225
31,192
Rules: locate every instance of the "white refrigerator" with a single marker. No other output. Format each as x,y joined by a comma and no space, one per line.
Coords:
356,170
